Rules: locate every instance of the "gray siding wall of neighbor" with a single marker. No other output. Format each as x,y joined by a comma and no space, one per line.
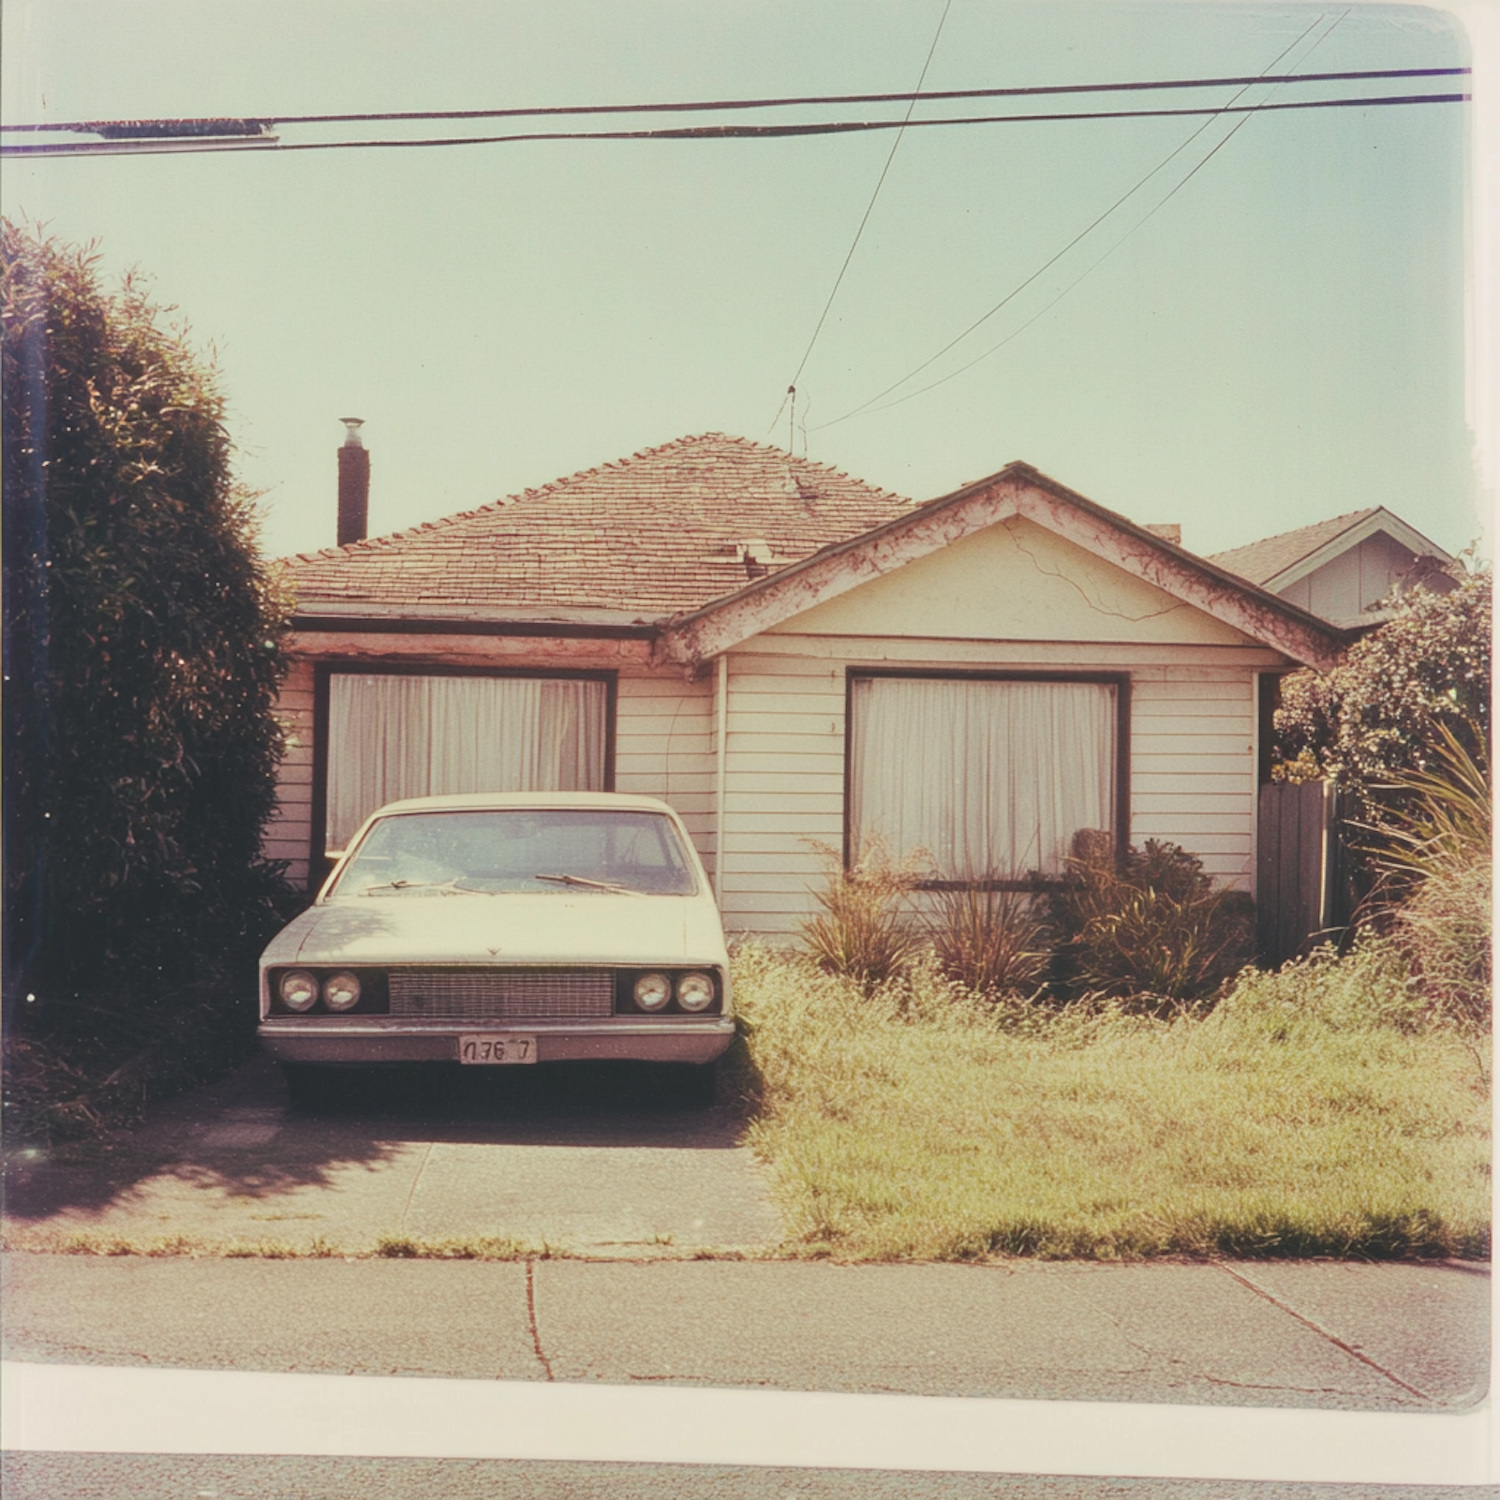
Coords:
1354,581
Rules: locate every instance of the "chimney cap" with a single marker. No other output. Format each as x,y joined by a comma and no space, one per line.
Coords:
352,438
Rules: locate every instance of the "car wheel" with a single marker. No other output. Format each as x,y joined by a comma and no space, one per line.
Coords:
695,1085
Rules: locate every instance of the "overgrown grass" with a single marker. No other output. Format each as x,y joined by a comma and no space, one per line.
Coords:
94,1062
1318,1111
384,1247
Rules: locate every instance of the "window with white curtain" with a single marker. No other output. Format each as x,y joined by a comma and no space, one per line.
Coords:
392,735
991,778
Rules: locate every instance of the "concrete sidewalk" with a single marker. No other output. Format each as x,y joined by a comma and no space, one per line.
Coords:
1332,1335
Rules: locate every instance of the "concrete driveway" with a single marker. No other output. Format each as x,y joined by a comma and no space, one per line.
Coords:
584,1160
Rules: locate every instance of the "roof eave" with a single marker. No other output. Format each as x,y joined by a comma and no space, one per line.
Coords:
1380,519
1017,489
360,615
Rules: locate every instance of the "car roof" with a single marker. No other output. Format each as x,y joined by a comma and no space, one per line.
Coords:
491,801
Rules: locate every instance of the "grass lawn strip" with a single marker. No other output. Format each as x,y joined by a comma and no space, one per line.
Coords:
1310,1113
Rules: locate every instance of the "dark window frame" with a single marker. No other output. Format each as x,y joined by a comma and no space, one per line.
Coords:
1120,681
324,671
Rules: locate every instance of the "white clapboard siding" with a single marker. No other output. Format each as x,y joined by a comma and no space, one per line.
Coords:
664,747
1191,751
288,833
1192,762
1192,719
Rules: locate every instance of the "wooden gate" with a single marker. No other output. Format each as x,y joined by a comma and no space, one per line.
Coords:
1301,894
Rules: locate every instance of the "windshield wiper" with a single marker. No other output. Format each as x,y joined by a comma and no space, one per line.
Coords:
597,885
447,886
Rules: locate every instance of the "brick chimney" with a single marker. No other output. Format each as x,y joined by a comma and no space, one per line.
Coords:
354,484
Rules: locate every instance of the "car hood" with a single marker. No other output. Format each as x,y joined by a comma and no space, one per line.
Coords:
508,928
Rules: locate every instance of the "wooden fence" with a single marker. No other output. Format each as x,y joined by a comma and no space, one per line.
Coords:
1303,894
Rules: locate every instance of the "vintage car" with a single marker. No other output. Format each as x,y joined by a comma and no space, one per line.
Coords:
488,930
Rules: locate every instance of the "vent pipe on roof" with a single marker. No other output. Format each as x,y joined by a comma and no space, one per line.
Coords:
354,484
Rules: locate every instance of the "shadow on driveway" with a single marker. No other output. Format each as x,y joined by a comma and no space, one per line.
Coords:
381,1151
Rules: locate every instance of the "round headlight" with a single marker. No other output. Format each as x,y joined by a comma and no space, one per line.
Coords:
341,992
695,992
299,990
652,991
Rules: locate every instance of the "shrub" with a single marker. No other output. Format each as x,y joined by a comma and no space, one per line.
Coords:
1150,923
144,645
991,942
1379,710
1431,850
865,928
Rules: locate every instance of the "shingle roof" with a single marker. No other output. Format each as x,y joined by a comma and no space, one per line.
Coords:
1262,560
656,534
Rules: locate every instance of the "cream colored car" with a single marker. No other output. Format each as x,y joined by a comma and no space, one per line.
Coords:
496,930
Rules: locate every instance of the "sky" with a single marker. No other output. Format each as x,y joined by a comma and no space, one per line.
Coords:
1303,328
1290,335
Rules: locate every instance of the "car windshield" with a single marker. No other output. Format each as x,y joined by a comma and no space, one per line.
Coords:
494,851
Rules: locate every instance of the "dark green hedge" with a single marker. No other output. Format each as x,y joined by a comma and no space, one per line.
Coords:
144,646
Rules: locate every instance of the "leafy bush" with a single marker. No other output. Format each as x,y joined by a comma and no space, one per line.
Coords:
144,645
864,929
991,942
1378,711
1150,923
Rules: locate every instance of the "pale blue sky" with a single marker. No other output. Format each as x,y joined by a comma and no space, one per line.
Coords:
1283,341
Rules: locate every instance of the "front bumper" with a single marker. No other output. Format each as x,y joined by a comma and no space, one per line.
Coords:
373,1039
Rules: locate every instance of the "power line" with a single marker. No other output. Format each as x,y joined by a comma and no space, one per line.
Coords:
1015,292
714,132
869,209
1083,234
250,124
1119,202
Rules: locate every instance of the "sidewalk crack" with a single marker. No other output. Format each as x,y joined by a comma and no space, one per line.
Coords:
1333,1339
536,1333
412,1191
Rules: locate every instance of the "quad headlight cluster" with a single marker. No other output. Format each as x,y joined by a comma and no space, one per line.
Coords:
300,990
692,991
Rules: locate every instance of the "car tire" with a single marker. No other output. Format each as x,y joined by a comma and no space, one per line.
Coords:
695,1085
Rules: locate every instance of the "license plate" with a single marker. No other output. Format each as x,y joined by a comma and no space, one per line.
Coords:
497,1049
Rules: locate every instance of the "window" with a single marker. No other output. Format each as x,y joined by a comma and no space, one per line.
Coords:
393,735
992,777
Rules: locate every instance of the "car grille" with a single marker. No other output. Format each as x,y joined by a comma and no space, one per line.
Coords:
502,994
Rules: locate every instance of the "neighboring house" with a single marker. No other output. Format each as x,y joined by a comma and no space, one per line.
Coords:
791,658
1345,569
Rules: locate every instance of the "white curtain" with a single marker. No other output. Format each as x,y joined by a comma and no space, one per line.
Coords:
416,736
992,779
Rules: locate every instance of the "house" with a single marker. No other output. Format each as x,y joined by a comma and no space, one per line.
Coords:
1345,568
793,658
